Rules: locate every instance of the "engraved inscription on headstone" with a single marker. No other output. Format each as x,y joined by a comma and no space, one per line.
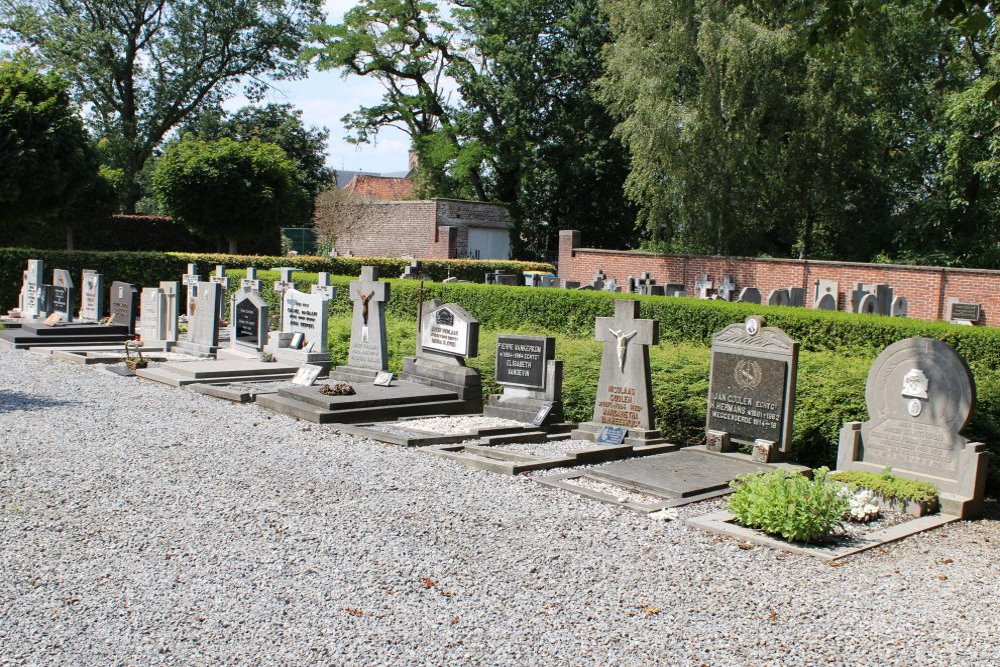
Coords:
449,329
920,396
521,361
91,296
752,387
124,304
624,390
249,327
308,314
961,311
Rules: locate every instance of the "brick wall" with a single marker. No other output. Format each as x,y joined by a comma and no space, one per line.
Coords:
435,229
926,288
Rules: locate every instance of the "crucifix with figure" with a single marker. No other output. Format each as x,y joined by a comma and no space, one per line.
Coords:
368,342
624,391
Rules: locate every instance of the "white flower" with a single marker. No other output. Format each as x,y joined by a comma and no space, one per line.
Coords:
666,514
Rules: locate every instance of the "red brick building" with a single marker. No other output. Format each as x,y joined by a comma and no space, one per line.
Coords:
426,229
926,288
382,188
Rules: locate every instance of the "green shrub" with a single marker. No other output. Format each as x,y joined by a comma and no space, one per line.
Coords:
793,506
889,486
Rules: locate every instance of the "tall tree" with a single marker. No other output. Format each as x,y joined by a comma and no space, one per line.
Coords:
50,168
143,66
741,141
227,189
279,124
525,127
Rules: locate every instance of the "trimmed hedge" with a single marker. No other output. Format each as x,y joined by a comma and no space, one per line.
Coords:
681,320
148,268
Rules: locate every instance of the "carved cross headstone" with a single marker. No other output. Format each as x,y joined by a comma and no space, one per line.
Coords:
283,284
250,283
645,283
191,280
324,287
624,390
727,288
703,285
597,280
220,278
368,341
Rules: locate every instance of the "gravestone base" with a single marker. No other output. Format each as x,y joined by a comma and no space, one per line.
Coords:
635,437
450,376
522,410
353,374
286,355
369,403
218,371
195,349
33,333
962,497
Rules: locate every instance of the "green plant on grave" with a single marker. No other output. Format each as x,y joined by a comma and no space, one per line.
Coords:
795,507
889,486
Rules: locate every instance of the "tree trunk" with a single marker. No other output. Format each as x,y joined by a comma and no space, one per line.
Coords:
805,242
69,238
232,246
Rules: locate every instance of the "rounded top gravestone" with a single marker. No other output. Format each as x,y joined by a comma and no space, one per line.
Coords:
921,380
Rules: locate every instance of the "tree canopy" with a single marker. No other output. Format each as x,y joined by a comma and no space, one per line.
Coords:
143,66
228,189
49,165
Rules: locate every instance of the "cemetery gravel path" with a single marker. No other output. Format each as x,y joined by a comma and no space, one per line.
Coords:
141,524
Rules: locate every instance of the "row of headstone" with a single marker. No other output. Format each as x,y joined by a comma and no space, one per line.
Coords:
38,299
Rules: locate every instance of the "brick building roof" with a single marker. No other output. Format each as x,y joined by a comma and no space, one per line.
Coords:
385,188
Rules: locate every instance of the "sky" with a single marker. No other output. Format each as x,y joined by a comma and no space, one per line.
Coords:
324,98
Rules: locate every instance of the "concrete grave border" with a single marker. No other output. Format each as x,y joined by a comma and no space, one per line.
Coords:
483,455
563,482
722,523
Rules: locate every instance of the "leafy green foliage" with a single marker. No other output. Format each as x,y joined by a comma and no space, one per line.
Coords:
229,189
527,130
793,506
888,486
49,166
143,66
278,124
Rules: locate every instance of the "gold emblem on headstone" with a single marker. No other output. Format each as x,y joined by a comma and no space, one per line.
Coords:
748,373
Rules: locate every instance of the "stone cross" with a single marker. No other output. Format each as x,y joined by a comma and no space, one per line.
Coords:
368,341
283,284
703,284
597,280
624,389
727,288
324,287
220,278
191,280
250,283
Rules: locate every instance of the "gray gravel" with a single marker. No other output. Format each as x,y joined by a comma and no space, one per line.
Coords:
143,524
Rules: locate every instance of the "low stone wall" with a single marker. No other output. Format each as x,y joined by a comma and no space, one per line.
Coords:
926,288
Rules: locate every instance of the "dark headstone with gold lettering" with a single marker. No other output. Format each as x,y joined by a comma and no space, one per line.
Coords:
751,395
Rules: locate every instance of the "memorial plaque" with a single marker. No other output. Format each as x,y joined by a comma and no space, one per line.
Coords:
611,435
521,360
964,311
746,397
451,330
383,379
306,375
752,387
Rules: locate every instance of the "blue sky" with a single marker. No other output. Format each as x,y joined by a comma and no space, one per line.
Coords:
325,97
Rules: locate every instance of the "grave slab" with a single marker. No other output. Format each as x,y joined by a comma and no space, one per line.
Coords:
33,333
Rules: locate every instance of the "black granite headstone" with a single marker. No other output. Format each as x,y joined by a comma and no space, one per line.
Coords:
521,361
